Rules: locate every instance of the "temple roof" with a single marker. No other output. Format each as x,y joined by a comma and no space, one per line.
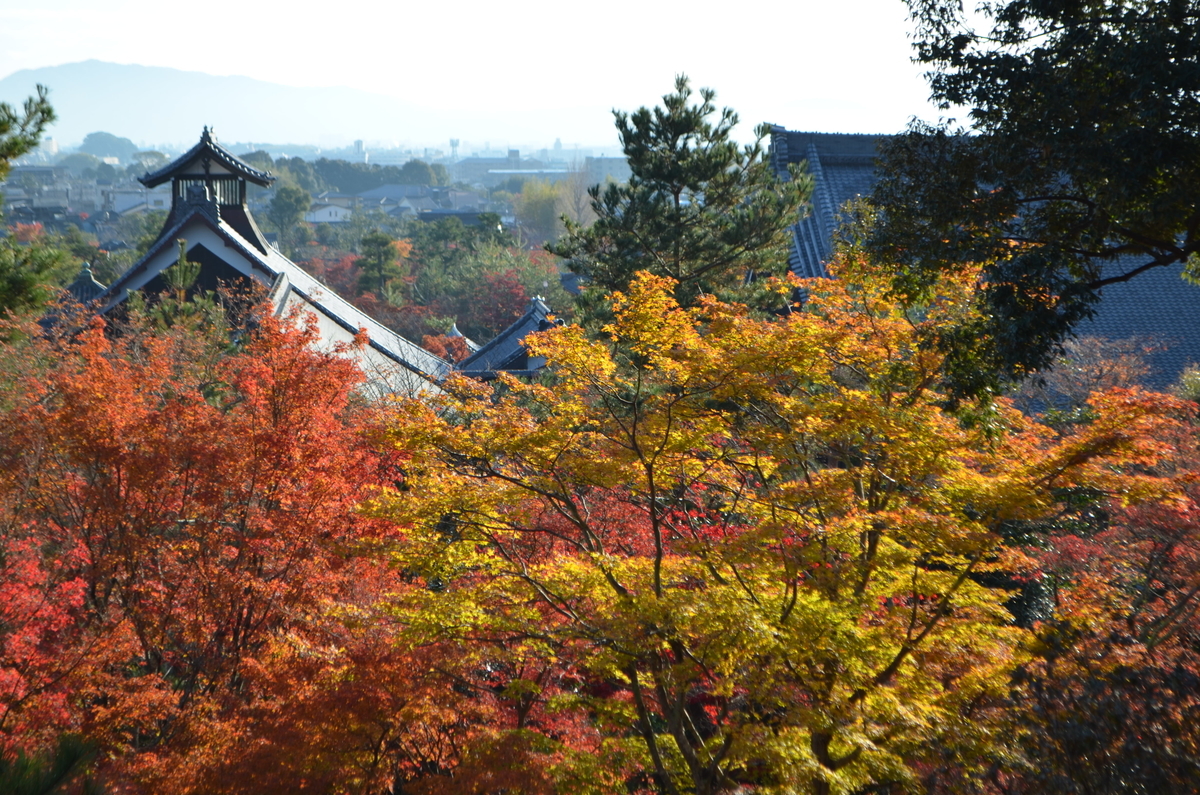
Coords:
85,287
843,168
284,277
506,351
207,151
471,344
1158,307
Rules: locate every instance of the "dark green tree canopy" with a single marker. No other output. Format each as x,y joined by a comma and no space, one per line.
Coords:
350,177
698,207
377,263
287,209
21,130
259,159
417,172
103,144
30,272
344,176
1083,146
78,162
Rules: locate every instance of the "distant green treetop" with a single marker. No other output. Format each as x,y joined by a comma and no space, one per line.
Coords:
698,208
21,130
417,172
102,144
78,162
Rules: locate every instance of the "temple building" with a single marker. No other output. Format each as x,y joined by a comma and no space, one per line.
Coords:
1157,307
506,352
209,212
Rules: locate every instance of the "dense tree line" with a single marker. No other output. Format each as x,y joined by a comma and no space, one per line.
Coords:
346,177
423,278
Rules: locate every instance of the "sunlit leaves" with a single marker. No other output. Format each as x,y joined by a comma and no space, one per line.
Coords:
759,543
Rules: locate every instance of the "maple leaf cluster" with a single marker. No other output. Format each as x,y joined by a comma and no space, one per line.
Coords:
710,551
768,556
184,577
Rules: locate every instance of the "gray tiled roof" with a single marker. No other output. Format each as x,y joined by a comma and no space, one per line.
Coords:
843,168
208,147
1157,306
273,265
85,287
505,352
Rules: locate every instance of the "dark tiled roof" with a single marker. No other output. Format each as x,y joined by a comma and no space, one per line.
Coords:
843,168
276,269
85,287
422,203
209,147
1157,306
505,351
471,344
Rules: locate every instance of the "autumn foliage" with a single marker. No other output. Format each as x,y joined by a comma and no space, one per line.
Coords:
1110,702
709,552
172,510
760,550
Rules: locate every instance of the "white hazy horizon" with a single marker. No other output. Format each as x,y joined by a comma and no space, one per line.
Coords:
509,74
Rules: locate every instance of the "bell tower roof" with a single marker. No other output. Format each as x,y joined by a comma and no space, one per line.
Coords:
207,159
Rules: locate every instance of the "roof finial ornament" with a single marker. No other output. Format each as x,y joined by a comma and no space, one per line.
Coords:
85,287
206,135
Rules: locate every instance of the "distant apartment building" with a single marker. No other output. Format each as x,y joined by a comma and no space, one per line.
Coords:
127,199
605,169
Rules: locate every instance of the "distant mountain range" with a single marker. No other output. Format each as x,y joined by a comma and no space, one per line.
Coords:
154,105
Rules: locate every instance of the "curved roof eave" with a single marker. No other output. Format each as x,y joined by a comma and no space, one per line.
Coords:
208,145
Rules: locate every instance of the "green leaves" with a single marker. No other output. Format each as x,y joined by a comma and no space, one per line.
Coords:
1078,169
377,263
22,131
29,271
698,208
287,209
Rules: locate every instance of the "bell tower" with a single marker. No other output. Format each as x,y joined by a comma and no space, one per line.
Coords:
210,174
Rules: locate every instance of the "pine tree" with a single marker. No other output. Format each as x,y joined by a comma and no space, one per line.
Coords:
377,263
698,208
22,132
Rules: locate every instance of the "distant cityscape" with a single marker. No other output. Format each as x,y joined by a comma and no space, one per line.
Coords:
379,152
95,184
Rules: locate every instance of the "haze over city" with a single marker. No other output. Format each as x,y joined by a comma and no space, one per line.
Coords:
514,75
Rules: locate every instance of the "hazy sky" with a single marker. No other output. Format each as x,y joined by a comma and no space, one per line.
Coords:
828,65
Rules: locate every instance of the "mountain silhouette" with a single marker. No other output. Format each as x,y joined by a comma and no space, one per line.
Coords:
158,105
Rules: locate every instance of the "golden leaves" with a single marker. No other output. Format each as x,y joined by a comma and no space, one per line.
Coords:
776,510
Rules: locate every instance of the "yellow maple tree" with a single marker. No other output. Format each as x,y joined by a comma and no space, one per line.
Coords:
756,548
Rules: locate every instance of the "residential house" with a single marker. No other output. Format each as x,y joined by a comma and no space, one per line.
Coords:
347,200
327,214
